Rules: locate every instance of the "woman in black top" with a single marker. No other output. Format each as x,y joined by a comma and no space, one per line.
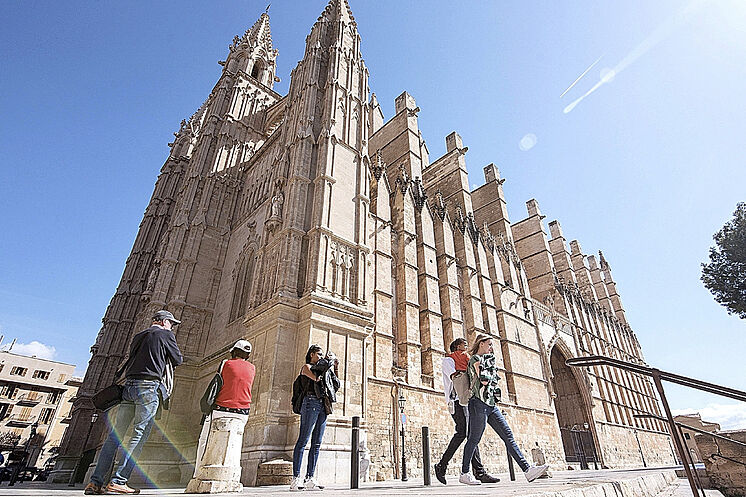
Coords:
312,423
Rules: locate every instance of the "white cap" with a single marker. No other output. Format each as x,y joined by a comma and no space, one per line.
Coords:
244,345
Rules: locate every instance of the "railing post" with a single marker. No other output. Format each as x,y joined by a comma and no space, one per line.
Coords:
511,469
355,453
426,454
690,460
674,432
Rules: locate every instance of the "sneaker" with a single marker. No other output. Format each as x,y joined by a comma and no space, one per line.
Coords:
487,478
296,484
93,489
312,484
468,479
440,473
534,472
116,488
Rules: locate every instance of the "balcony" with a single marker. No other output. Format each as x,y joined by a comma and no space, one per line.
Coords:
20,420
28,399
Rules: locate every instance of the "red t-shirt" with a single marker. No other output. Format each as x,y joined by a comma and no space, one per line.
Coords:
461,360
238,376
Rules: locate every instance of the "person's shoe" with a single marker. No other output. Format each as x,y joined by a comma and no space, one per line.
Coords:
534,472
312,484
116,488
487,478
440,473
468,479
296,484
93,489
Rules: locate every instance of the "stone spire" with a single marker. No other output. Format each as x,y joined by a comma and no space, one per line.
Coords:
254,54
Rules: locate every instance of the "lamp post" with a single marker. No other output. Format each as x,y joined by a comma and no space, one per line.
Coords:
94,417
27,456
402,401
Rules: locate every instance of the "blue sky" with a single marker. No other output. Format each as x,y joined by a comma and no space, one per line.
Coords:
646,168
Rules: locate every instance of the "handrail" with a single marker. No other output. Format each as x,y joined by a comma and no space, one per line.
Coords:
658,377
597,360
728,459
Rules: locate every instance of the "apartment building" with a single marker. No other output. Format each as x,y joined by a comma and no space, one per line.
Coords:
35,400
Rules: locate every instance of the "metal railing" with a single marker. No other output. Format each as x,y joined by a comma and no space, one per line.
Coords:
658,378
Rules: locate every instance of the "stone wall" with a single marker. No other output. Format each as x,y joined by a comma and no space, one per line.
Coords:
727,475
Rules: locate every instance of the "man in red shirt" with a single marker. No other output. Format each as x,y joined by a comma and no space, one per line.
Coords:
234,398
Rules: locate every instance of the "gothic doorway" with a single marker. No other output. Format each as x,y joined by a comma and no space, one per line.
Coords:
573,413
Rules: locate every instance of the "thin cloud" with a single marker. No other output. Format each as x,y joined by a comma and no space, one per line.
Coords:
527,142
33,348
728,416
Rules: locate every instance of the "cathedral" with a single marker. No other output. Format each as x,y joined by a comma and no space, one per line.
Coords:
304,218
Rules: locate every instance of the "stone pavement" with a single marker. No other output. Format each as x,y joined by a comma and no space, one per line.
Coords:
621,483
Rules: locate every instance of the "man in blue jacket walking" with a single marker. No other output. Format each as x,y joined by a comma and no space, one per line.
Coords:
152,352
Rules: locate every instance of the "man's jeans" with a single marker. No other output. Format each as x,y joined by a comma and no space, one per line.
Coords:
312,417
459,417
481,414
139,403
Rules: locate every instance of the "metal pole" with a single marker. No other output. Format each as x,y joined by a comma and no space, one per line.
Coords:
355,453
404,457
426,454
511,469
690,460
674,432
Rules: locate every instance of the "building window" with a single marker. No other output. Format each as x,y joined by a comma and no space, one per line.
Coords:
42,375
54,397
8,391
19,371
2,366
61,378
686,435
46,415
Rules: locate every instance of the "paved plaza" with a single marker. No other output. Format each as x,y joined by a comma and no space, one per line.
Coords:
626,483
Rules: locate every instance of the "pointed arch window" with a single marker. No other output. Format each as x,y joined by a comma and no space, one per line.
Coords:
242,289
257,70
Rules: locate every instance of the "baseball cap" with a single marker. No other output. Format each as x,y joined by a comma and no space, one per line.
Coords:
163,315
244,345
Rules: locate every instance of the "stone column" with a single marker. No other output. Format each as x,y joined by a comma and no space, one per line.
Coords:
220,468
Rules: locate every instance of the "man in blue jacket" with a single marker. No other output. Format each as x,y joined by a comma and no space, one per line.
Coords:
152,352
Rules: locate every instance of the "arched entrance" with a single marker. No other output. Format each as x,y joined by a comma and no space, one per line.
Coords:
573,412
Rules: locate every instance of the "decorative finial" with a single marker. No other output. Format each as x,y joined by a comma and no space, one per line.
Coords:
266,11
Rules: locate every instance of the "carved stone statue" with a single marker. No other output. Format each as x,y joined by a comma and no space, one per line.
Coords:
277,201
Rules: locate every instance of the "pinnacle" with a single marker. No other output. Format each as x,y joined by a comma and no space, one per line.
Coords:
339,10
260,32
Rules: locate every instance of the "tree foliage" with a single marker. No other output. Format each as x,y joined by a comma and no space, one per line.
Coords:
725,274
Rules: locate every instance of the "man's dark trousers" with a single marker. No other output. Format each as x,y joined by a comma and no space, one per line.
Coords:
459,417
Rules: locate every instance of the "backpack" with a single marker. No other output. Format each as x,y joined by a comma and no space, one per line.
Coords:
207,401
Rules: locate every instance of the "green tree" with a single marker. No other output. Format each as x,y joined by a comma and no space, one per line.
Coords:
725,274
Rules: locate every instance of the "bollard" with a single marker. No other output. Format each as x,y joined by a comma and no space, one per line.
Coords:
511,469
355,453
426,454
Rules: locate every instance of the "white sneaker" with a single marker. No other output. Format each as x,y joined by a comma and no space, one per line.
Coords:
296,484
312,484
534,472
468,479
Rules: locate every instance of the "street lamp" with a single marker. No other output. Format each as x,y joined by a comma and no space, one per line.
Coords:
403,418
94,417
27,456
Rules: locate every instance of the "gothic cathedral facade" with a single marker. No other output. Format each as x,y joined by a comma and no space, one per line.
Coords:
308,218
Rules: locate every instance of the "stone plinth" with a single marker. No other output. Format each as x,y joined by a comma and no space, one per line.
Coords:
274,472
220,468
